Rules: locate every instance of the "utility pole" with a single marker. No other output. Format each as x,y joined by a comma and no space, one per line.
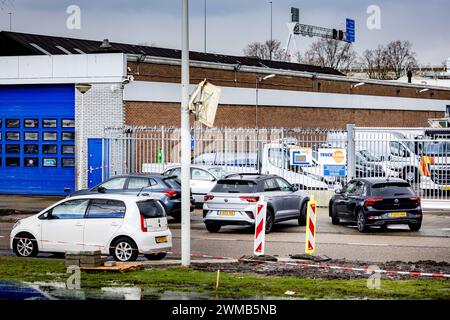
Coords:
271,29
185,140
10,21
204,31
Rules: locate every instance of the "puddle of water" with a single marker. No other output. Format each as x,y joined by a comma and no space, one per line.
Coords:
14,290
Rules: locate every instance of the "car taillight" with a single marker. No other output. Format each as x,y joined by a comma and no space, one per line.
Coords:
371,201
143,224
208,197
170,193
249,199
416,199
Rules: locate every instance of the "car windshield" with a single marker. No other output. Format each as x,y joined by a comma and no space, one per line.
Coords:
370,157
218,172
235,186
438,149
392,189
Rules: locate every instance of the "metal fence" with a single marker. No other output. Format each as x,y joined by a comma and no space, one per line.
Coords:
420,156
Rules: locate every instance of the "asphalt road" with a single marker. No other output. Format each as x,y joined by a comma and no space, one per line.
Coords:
432,242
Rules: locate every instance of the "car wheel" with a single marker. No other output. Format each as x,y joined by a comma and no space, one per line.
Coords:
124,249
334,218
415,226
269,221
302,218
411,175
361,222
25,245
212,226
156,256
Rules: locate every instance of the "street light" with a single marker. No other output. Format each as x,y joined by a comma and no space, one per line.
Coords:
82,88
358,85
259,79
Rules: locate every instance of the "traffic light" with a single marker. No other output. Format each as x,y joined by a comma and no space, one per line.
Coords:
338,34
295,14
341,35
335,34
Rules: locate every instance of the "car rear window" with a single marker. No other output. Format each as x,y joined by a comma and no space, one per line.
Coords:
235,186
151,209
392,189
172,183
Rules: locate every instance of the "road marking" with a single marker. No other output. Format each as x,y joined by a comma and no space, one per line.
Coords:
2,236
368,244
445,229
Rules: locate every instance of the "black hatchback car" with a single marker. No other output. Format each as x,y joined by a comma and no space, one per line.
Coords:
377,202
168,189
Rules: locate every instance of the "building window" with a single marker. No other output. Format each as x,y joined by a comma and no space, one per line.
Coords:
49,162
67,136
31,136
49,136
31,123
68,123
68,149
68,162
12,148
31,149
13,136
49,149
49,123
12,162
13,123
30,162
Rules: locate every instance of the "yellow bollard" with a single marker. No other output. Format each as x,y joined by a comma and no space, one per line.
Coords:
310,241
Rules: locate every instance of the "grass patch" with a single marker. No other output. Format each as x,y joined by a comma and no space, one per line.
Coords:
233,285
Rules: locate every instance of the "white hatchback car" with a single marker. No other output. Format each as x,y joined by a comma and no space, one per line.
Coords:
119,225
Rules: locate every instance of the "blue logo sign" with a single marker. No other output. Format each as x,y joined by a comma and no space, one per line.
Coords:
350,32
334,170
192,143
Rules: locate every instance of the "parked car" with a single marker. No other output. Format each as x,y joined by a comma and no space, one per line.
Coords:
377,202
368,165
203,179
233,200
166,188
119,225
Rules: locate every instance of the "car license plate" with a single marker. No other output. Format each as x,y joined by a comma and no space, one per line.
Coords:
445,188
226,213
398,214
161,239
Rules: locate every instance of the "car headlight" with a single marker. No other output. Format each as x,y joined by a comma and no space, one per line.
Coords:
16,224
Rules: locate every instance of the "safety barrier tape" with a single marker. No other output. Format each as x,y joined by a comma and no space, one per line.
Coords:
91,169
299,264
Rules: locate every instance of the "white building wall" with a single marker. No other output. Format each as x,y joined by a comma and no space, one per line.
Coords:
103,107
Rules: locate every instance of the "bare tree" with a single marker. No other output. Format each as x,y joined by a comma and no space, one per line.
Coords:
330,53
269,50
376,63
400,57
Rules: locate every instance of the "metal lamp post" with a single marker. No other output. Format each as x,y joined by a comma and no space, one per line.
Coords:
258,81
82,88
185,140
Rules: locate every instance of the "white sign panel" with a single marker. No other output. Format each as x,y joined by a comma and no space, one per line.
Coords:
300,156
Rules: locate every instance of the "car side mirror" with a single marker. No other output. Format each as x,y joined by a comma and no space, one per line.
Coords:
338,191
101,189
294,188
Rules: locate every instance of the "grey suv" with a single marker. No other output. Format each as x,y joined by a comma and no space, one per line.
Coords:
233,200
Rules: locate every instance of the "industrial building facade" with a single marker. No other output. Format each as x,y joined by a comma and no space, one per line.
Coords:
46,121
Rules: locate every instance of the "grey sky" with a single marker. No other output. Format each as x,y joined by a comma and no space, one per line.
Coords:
234,23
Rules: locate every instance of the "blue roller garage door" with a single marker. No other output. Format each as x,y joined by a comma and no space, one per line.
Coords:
37,139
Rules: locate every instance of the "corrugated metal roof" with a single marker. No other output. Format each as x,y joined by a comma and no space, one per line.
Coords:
25,44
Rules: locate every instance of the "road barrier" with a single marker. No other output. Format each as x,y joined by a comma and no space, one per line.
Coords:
310,242
260,227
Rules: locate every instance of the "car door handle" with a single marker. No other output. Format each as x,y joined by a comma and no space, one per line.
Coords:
79,224
114,224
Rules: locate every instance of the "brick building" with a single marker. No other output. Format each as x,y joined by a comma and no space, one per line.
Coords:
139,86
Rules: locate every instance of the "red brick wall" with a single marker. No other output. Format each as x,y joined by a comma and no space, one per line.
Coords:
168,114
